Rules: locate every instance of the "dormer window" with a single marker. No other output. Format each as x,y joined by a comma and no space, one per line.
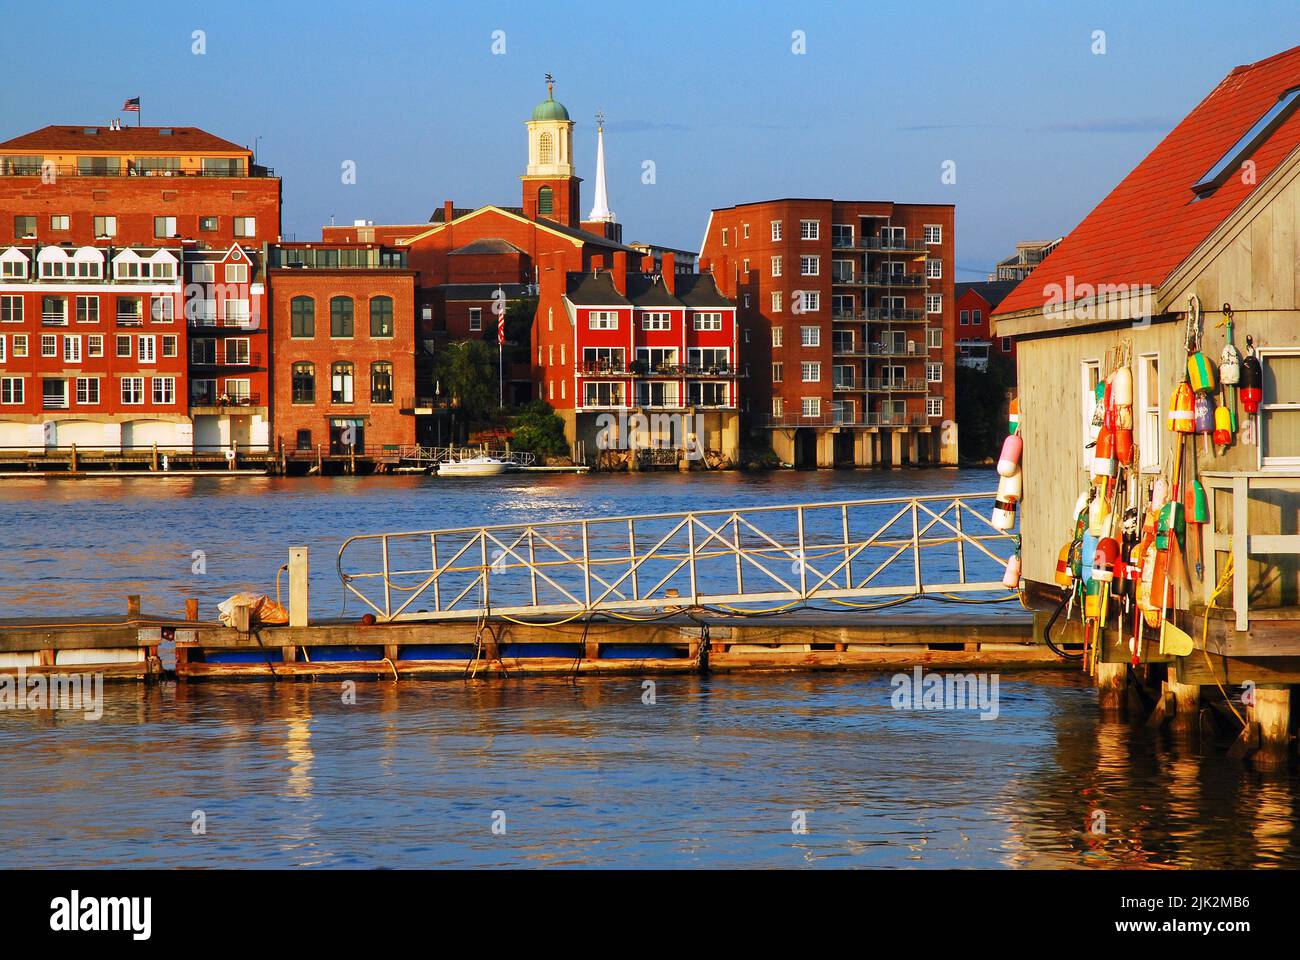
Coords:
1240,151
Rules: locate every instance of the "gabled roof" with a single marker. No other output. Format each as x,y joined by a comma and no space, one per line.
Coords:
1153,221
645,290
485,246
993,291
124,140
594,290
700,290
577,236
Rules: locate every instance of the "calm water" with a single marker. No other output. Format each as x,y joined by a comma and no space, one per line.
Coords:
584,772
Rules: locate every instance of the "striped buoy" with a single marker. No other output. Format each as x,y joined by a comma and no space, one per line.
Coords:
1104,463
1064,566
1013,423
1182,414
1222,427
1009,461
1252,381
1011,488
1103,565
1200,372
1004,514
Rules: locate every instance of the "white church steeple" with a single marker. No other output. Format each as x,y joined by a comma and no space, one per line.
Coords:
600,210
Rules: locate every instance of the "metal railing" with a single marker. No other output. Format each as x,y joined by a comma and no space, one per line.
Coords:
888,279
794,420
878,243
434,455
785,555
878,314
887,385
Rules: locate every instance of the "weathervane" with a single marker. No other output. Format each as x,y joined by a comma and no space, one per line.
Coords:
550,86
600,119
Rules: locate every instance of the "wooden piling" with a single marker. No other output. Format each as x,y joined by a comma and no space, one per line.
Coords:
1111,681
1187,706
72,461
298,586
191,608
1272,713
133,605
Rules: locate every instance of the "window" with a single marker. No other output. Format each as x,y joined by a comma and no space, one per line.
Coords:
744,266
49,345
341,382
809,300
656,359
54,394
71,349
810,406
245,226
776,229
54,311
977,317
810,336
341,317
933,233
130,311
164,226
164,390
207,224
706,394
545,148
87,309
476,318
1006,344
656,393
934,338
236,273
778,406
381,316
302,440
381,382
133,390
238,391
810,229
24,227
810,371
13,269
146,347
1149,428
934,269
163,309
809,266
20,345
237,352
778,336
169,343
602,394
776,266
3,352
933,372
124,345
302,317
11,309
964,318
776,301
106,226
724,236
87,390
60,222
304,382
934,406
1090,375
1252,138
545,201
204,273
1279,409
778,372
745,228
656,321
934,303
602,320
708,321
95,345
11,390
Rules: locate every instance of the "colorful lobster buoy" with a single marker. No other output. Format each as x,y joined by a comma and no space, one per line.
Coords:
1009,461
1011,575
1013,423
1004,514
1172,520
1121,388
1222,427
1012,487
1182,411
1065,566
1099,516
1203,413
1195,504
1124,445
1252,380
1200,373
1104,463
1229,365
1103,565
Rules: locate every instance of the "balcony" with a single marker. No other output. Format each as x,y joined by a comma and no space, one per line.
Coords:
639,368
791,420
910,349
847,350
225,401
848,383
848,317
17,168
884,315
248,360
51,319
879,244
892,385
888,279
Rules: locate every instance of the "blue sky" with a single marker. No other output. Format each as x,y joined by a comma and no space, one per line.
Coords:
1038,125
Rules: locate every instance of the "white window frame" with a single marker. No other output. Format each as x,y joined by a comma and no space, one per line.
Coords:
146,348
656,321
475,318
1089,376
1267,462
776,301
810,336
602,320
810,406
72,349
707,321
933,233
934,303
933,371
137,390
83,391
810,265
934,338
810,229
15,388
810,371
236,273
934,406
776,229
776,266
245,226
778,336
163,390
1149,428
933,269
811,300
49,345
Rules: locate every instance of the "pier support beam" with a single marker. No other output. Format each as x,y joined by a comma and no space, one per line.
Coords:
298,578
1187,706
1112,678
1272,712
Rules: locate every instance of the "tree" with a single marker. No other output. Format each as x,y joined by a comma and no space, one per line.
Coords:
539,431
982,402
467,372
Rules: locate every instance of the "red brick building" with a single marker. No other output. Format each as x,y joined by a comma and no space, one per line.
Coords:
846,314
975,342
118,243
627,342
343,335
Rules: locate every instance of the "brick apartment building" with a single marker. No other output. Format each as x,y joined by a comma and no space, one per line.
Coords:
847,312
343,334
116,243
639,342
975,305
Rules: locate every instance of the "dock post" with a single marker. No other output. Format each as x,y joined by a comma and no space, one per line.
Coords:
153,459
352,459
73,461
1272,711
298,569
191,608
133,605
1187,706
233,460
1112,679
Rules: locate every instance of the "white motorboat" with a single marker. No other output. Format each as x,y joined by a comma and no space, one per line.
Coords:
473,467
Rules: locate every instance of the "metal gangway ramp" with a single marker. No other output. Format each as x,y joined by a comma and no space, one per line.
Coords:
729,559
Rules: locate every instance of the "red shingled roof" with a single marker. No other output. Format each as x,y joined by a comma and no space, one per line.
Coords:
64,139
1149,224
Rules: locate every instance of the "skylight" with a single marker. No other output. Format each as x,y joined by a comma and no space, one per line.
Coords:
1251,139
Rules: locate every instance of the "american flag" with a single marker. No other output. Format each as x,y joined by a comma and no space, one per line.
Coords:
132,105
501,329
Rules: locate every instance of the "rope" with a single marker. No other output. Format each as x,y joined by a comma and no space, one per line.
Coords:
1224,582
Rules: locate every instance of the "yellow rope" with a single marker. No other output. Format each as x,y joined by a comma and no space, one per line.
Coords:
1225,580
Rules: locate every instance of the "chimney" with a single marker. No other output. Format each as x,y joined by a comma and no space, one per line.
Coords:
597,262
448,211
670,273
619,272
648,264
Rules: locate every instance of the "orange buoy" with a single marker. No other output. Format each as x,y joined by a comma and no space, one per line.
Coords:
1009,461
1124,445
1104,463
1182,410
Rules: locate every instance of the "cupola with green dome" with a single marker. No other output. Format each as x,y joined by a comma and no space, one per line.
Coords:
550,108
550,137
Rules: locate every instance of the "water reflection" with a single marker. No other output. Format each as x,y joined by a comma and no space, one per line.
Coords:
587,774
